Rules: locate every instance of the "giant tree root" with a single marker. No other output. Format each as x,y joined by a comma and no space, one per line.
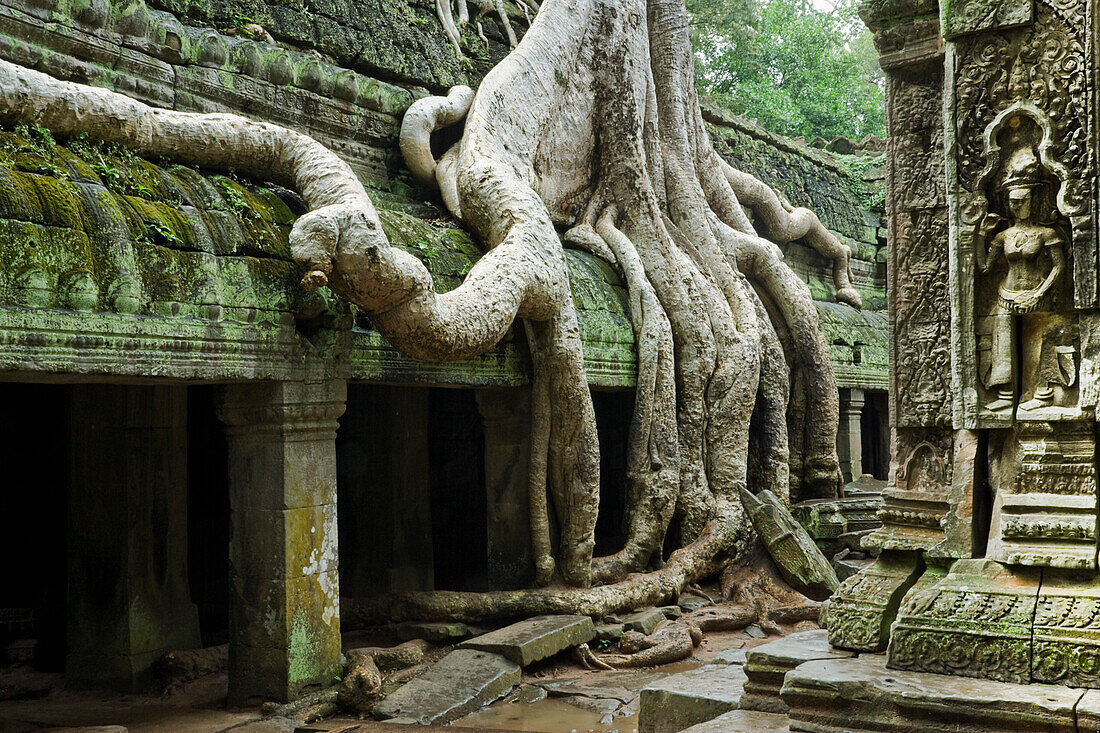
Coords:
590,127
673,641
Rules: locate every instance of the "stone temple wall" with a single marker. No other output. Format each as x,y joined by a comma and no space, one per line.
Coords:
989,542
148,275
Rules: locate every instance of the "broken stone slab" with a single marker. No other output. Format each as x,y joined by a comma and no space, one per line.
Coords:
534,639
1088,712
609,632
689,603
688,698
767,665
431,631
743,721
755,631
644,621
671,612
730,656
458,684
860,694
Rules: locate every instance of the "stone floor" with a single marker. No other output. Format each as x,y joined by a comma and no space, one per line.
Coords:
555,695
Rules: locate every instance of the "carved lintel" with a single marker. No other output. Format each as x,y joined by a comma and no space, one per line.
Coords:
963,17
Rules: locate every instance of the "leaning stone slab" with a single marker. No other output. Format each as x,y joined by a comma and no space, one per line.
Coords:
686,699
456,685
862,695
743,721
536,638
767,665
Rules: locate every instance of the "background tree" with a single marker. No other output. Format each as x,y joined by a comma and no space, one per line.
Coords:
798,69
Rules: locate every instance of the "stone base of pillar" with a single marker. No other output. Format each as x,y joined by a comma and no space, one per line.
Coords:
863,607
975,622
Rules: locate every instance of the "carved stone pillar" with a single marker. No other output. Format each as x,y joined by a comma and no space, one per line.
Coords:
507,417
284,620
128,596
850,436
919,500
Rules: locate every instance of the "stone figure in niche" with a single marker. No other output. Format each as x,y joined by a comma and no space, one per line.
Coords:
1032,246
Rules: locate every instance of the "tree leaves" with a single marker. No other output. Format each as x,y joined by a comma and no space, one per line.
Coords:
798,70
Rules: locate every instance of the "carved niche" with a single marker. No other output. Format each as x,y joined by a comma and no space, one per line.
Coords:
1021,183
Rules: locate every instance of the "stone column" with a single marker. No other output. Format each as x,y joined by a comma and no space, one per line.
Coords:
850,435
284,612
507,417
385,494
128,596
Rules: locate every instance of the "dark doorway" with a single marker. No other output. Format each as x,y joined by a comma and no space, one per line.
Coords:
874,425
34,450
614,411
456,440
208,514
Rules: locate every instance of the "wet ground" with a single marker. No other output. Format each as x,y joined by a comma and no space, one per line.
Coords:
556,696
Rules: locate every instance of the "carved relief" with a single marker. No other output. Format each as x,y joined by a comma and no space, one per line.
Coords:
862,608
922,321
918,498
1044,480
1067,632
1021,228
976,622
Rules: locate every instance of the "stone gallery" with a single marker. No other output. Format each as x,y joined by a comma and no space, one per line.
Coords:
383,355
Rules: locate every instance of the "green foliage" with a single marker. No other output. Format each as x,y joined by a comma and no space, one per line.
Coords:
160,233
796,69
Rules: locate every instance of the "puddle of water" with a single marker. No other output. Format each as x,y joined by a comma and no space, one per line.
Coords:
546,716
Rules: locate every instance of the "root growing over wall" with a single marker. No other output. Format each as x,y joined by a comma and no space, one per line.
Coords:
588,132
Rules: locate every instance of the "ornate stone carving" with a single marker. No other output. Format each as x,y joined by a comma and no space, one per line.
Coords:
861,610
976,622
1020,254
918,499
1066,636
1021,184
1044,480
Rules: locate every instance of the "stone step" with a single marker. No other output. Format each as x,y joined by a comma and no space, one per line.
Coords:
458,684
534,639
689,698
767,664
861,695
743,721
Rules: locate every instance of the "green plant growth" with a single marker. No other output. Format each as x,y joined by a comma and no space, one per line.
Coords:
797,69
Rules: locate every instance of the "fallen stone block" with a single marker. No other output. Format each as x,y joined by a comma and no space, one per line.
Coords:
861,695
686,699
432,631
609,632
743,721
691,603
730,656
644,621
458,684
767,665
534,639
